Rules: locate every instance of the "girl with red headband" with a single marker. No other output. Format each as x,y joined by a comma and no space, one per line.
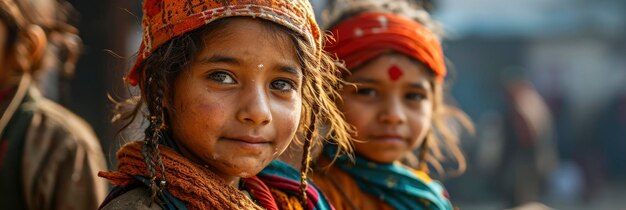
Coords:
394,99
224,87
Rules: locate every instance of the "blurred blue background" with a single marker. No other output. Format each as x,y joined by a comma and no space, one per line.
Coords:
573,53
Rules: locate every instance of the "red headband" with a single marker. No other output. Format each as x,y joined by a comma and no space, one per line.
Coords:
369,35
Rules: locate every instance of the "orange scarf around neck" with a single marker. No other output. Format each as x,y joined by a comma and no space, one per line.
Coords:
196,186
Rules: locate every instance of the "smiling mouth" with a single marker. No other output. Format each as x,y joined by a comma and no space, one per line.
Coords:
250,140
388,138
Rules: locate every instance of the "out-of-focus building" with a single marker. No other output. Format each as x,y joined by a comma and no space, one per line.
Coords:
573,52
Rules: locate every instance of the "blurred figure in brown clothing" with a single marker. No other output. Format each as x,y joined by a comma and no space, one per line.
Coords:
49,157
530,145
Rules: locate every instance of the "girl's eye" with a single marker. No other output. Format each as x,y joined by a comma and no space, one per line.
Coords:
282,85
366,92
415,96
222,77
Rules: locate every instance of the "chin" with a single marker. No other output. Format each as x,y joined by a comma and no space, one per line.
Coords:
388,160
242,172
247,174
247,169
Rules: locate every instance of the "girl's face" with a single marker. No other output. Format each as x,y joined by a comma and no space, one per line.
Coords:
238,106
390,107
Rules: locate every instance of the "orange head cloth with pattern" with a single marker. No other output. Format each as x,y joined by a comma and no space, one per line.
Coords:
166,19
371,34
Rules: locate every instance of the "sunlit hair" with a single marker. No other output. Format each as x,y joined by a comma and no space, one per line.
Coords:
319,91
442,142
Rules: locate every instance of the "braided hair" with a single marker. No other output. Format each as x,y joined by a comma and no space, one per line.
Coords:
153,133
159,71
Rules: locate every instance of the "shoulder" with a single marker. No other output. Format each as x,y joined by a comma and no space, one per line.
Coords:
61,152
333,179
53,121
137,198
330,178
337,186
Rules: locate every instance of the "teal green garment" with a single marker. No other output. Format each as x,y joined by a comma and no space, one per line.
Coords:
394,184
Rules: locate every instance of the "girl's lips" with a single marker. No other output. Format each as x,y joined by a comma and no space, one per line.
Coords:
249,139
387,138
248,143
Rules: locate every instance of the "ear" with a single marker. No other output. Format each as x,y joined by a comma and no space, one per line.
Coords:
30,48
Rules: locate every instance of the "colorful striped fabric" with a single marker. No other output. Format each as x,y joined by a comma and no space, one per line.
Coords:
397,185
279,175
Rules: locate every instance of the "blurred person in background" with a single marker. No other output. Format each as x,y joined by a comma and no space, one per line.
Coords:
49,157
529,147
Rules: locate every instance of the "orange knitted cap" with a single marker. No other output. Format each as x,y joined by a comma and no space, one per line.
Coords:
166,19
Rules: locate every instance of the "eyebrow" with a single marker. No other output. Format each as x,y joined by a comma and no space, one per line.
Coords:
418,86
220,59
361,80
290,70
364,80
234,61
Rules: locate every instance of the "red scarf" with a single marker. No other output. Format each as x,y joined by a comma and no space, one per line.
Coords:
372,34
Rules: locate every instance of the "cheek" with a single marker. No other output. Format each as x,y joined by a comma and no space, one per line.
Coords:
287,118
197,113
357,114
420,123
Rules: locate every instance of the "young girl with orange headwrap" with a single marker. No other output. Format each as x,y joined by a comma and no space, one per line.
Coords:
394,99
225,86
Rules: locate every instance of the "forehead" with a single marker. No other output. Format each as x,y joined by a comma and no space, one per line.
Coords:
244,36
45,8
254,30
385,67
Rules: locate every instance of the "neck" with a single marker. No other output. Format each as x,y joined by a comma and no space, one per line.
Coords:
230,180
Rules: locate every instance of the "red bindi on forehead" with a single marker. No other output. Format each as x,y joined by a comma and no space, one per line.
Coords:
394,72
